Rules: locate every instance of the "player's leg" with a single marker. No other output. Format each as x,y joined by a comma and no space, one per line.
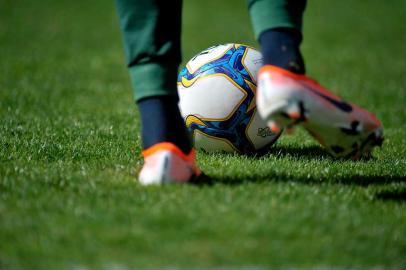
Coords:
277,25
151,31
286,97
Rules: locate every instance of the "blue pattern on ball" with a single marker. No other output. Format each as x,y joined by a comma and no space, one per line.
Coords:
232,129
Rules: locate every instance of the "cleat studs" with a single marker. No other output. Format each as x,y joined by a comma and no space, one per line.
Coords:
293,111
378,137
274,127
296,111
294,115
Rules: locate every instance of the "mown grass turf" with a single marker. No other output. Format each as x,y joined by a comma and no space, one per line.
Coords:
70,151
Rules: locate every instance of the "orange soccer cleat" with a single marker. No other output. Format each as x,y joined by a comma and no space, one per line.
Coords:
286,99
166,163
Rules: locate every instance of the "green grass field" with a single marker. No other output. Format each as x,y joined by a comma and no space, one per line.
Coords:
69,136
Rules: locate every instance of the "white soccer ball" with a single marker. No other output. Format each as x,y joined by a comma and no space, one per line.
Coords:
217,100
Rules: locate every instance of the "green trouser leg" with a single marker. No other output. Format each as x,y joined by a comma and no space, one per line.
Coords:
151,31
268,14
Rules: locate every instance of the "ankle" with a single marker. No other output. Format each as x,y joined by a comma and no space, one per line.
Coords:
280,47
161,122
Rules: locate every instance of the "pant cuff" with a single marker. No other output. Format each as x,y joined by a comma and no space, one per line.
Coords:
267,15
154,79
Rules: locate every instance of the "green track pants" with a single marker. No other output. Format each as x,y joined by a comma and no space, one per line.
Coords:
152,28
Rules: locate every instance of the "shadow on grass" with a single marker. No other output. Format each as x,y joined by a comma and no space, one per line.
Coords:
391,195
395,195
307,153
357,180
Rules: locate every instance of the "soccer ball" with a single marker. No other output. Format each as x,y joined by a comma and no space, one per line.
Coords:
217,100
